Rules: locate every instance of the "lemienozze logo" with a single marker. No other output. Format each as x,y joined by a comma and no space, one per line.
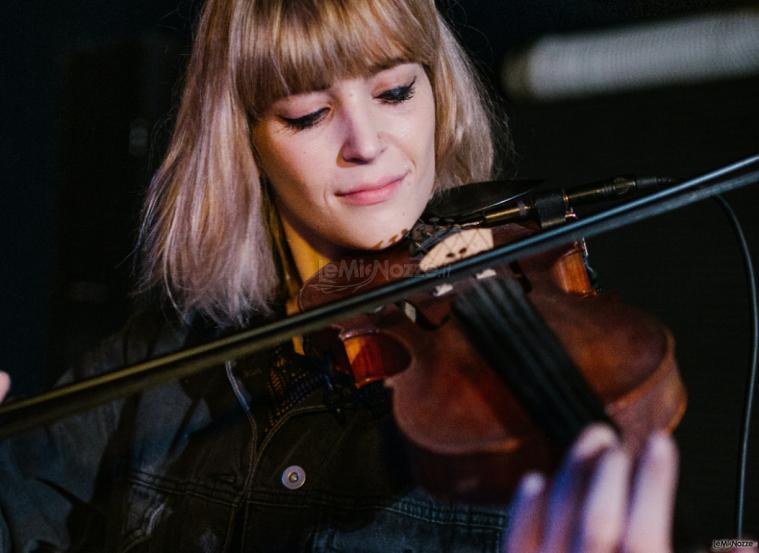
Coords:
352,275
734,545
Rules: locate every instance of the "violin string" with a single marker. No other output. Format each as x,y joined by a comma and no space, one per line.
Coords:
545,366
584,396
558,367
565,373
477,314
481,320
527,376
532,341
524,352
541,363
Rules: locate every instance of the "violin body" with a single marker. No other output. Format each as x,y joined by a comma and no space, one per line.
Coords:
470,438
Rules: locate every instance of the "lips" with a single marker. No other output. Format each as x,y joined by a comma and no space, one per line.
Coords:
373,193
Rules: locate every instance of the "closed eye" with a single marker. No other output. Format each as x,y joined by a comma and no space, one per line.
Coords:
399,94
396,95
309,120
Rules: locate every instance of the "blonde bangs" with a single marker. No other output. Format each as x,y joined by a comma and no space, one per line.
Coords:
293,47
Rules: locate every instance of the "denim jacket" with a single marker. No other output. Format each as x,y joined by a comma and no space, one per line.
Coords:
182,467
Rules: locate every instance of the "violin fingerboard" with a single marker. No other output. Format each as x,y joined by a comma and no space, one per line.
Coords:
527,356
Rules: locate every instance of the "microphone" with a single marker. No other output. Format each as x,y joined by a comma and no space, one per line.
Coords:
555,207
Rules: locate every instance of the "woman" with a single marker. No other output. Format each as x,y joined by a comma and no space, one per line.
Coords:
305,129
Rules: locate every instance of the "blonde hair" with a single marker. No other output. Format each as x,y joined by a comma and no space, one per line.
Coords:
205,238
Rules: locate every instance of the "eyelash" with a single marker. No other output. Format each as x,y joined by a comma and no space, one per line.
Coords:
393,96
399,94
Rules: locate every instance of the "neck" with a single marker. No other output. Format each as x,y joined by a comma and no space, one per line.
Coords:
307,256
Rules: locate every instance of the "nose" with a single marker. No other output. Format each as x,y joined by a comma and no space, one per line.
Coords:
362,141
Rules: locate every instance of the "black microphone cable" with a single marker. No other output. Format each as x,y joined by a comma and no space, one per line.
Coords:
751,384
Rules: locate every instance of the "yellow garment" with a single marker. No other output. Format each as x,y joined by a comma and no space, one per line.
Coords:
306,260
300,261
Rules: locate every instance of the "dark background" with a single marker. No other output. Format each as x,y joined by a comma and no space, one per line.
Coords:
88,92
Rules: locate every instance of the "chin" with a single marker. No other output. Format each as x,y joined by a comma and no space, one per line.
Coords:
378,240
377,227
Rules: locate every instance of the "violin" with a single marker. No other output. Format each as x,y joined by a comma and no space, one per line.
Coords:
496,374
517,259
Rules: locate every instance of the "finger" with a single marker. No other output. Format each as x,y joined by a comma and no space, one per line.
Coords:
650,519
602,519
568,487
527,514
5,384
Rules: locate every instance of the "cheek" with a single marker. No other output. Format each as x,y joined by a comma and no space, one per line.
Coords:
290,169
423,133
423,140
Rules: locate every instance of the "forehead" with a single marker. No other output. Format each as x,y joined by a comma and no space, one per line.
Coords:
293,47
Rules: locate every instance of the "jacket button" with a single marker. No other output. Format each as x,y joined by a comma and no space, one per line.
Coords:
293,477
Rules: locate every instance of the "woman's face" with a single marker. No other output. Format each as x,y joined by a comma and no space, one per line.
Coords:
352,166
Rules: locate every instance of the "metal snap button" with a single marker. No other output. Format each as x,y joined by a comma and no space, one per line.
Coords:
293,477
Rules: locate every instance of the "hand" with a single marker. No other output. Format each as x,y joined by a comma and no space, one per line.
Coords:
597,503
5,384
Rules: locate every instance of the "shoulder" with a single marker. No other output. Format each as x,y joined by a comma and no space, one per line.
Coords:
146,334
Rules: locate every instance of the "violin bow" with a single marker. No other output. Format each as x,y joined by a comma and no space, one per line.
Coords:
17,416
